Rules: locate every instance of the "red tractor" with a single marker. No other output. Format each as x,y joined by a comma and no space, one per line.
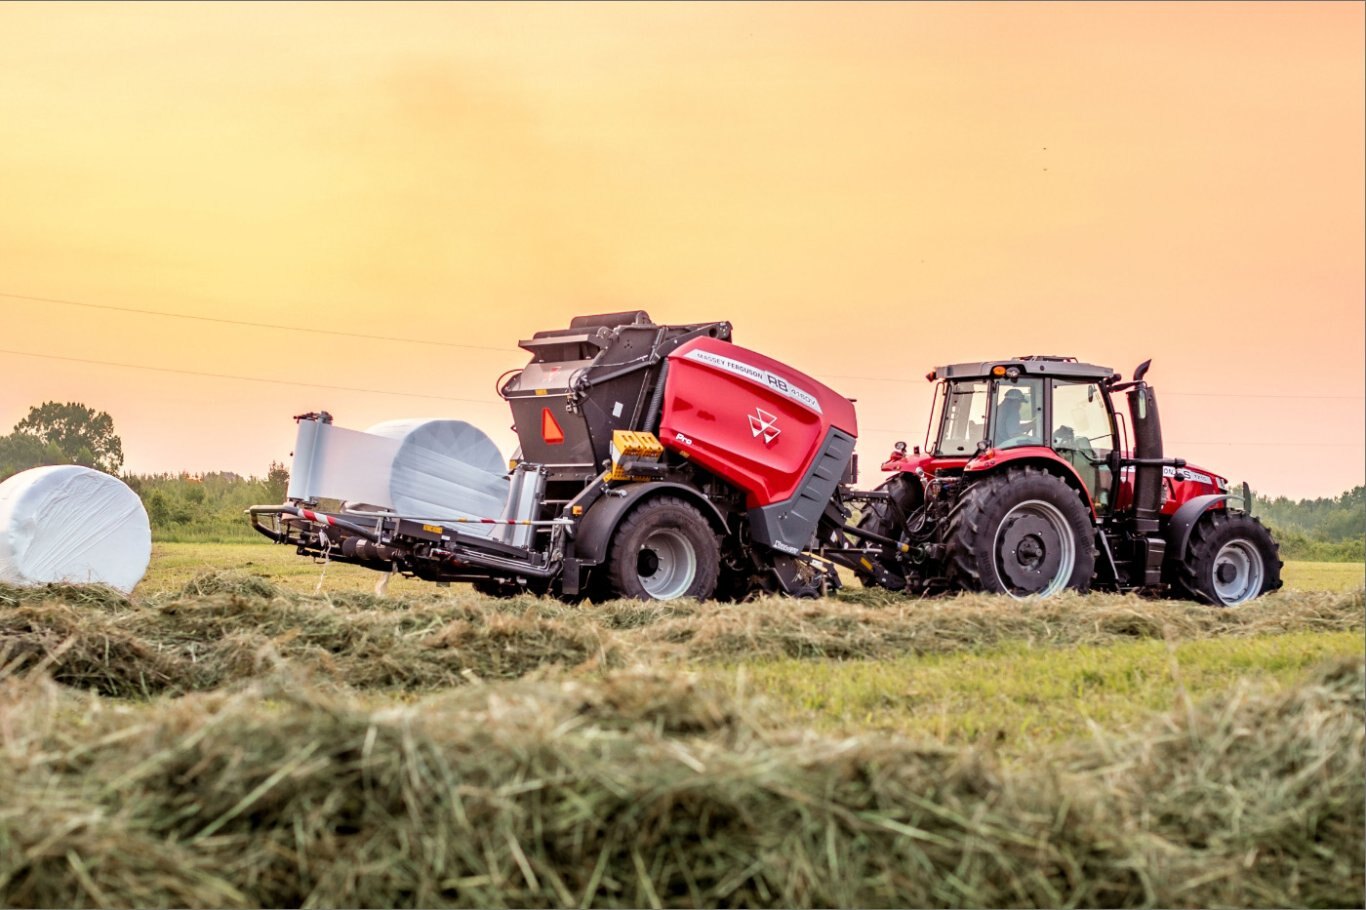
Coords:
663,461
1030,486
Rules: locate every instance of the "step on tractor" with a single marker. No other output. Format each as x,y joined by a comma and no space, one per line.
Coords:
665,461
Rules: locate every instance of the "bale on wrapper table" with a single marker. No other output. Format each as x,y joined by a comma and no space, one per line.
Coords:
68,523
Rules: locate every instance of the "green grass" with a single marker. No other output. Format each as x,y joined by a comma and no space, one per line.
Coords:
1018,696
1323,576
174,564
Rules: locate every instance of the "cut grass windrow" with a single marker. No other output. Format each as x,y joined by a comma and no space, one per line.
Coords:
642,789
225,628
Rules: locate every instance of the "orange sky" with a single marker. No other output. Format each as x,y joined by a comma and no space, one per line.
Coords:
865,191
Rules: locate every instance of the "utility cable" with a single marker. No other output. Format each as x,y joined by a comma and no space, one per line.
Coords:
1162,392
485,347
311,385
256,325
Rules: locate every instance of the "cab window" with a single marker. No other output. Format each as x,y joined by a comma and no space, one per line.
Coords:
1017,414
965,416
1082,435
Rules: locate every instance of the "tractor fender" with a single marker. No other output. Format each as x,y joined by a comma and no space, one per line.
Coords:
1183,522
1042,456
594,532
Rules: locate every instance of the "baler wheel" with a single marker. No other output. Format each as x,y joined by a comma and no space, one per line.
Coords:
1231,558
662,550
1023,532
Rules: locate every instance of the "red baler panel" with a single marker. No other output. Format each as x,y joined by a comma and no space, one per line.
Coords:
751,420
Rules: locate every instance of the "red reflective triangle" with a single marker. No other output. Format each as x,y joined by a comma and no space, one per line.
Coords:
550,428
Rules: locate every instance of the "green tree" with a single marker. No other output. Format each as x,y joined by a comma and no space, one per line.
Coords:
277,481
19,453
79,434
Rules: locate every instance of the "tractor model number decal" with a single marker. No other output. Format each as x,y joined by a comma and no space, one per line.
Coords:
755,374
1186,474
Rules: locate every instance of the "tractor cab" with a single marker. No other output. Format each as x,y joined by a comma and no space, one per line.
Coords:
990,412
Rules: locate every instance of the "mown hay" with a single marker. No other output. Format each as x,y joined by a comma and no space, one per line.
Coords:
876,625
649,790
240,627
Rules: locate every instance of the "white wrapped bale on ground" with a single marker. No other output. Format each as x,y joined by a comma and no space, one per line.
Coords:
68,523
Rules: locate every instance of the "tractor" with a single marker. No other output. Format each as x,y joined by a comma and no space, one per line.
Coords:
1030,486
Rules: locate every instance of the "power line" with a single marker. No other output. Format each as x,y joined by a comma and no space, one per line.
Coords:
311,385
256,325
1179,394
504,350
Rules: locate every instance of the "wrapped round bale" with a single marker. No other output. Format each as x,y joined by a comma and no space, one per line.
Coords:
72,524
445,469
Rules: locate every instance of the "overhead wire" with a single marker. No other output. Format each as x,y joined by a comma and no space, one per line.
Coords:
260,379
251,324
483,347
425,341
1175,393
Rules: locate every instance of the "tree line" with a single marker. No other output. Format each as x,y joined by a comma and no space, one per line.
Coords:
1326,529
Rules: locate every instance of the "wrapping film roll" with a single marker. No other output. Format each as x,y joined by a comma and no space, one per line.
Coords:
419,468
72,524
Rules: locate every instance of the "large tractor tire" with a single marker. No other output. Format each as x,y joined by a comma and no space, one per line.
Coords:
662,550
1231,558
1023,532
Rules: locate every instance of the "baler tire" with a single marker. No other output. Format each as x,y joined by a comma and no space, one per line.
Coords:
1233,540
663,549
1050,521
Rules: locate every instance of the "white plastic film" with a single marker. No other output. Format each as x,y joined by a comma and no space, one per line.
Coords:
419,468
67,523
445,469
332,462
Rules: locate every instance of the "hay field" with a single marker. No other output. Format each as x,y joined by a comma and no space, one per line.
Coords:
227,737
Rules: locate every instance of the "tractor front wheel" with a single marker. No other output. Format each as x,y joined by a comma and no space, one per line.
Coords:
1231,558
663,549
1023,532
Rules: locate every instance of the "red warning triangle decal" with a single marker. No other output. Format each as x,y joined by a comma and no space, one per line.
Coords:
550,429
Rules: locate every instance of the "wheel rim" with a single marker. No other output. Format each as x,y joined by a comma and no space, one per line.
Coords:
666,564
1035,551
1237,573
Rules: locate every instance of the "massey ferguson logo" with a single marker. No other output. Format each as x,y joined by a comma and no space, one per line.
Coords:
762,423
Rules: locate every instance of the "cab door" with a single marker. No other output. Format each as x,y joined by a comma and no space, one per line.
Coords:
1083,434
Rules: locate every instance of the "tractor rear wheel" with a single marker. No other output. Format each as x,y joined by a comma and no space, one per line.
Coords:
663,549
1023,532
1231,558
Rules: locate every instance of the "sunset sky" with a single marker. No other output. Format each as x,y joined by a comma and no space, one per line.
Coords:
865,191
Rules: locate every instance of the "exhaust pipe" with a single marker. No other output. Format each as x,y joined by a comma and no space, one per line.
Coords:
1147,457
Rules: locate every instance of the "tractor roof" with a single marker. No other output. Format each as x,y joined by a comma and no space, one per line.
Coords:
1032,365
